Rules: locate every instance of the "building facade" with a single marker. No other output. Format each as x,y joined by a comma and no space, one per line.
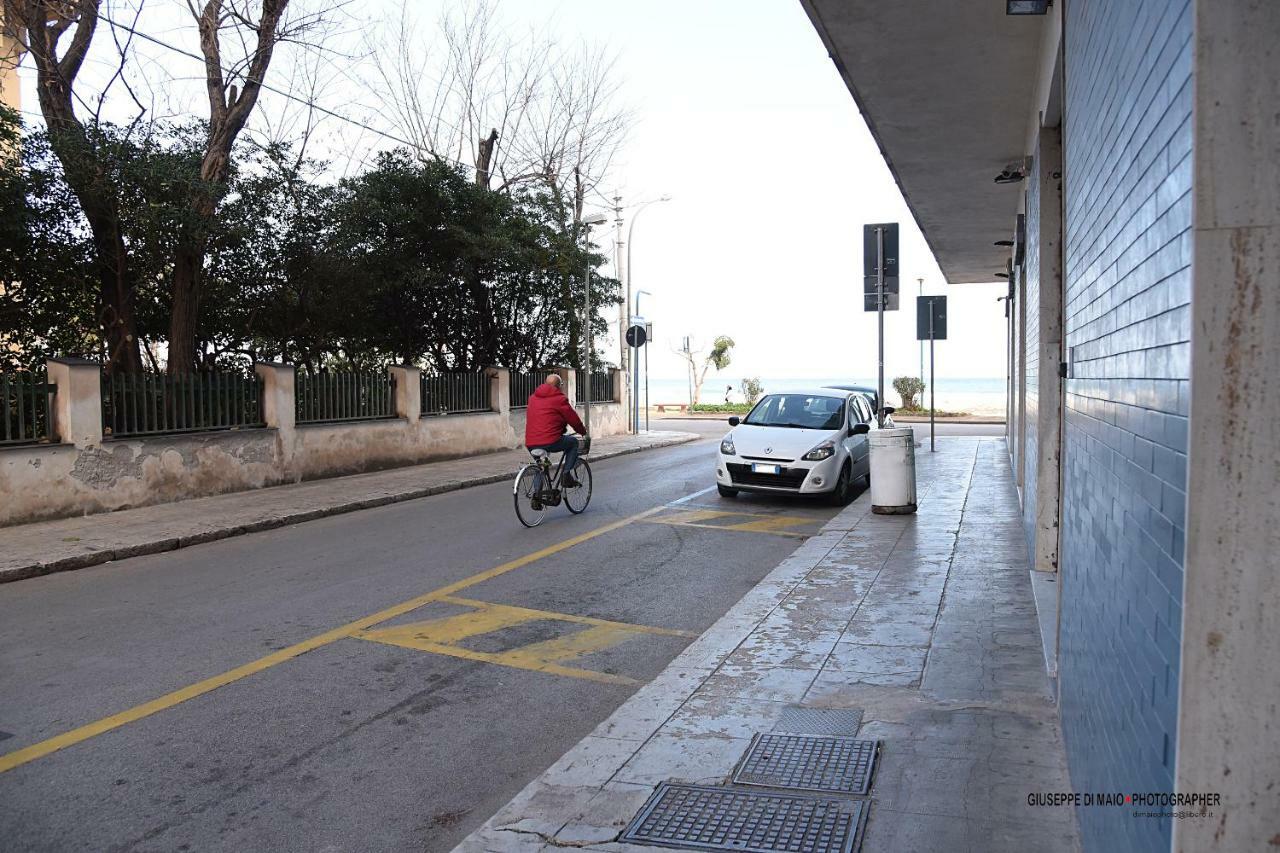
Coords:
1129,150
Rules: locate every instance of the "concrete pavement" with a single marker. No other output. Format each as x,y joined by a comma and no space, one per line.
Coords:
924,623
72,543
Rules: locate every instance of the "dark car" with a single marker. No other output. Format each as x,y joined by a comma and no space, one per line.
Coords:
870,394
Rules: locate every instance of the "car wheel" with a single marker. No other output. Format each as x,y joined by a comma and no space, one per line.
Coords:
726,492
840,495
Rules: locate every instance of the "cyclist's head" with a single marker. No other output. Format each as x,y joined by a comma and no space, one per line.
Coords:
553,379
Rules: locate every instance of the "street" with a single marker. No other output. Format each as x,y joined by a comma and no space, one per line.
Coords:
282,718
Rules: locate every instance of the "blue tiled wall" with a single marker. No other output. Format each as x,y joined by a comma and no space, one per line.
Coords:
1127,277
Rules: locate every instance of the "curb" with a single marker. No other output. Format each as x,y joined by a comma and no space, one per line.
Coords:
173,543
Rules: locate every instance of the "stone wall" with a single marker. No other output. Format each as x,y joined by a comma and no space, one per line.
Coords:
88,473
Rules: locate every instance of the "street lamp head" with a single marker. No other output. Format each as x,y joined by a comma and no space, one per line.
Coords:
596,218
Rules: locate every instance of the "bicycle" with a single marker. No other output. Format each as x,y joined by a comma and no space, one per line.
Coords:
537,486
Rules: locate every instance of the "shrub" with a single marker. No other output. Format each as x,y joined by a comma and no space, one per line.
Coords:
908,387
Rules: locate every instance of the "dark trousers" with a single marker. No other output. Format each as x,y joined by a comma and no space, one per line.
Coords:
568,445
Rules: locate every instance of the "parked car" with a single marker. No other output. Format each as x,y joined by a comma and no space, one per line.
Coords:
799,442
871,395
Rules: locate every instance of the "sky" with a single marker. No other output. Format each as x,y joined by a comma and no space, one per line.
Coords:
742,119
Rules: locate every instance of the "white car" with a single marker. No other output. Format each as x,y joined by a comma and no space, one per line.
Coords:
798,442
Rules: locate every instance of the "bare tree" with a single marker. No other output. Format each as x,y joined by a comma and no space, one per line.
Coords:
237,39
57,34
520,111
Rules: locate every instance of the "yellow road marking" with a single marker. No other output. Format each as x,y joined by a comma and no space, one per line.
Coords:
18,757
763,523
445,636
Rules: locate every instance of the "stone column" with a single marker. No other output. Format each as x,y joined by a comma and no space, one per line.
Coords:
569,381
278,407
279,410
617,380
77,405
1229,688
1048,163
408,392
499,390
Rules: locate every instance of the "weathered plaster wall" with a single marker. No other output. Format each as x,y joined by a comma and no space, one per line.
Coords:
89,474
50,481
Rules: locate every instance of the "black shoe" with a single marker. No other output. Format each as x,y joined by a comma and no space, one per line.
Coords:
570,482
535,504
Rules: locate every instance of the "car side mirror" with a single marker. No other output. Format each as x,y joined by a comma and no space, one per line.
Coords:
859,429
735,420
888,410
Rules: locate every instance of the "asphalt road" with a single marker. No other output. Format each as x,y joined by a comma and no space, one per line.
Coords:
234,696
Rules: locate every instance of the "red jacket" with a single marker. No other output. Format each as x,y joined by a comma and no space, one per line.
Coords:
549,411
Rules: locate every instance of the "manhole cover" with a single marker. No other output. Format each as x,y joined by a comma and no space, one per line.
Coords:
808,762
707,818
819,721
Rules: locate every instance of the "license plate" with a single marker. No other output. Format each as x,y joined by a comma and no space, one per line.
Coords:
761,468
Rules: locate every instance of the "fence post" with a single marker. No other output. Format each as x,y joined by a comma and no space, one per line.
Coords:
616,380
499,390
77,407
278,407
569,381
408,392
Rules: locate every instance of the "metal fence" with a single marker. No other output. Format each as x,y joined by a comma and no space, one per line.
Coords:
343,396
152,403
27,408
601,387
454,393
522,386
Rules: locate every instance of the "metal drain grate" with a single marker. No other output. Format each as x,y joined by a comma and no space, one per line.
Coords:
839,765
799,720
707,818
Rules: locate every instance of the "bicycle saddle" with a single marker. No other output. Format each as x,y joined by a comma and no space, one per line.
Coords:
538,453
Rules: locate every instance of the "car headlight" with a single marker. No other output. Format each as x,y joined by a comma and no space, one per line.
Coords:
823,451
726,446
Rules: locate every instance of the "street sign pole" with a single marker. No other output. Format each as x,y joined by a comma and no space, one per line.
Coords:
635,388
932,445
586,336
880,322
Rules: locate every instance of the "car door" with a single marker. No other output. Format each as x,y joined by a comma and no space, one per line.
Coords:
860,451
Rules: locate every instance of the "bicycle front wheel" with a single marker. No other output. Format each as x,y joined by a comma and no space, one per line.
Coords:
529,509
577,497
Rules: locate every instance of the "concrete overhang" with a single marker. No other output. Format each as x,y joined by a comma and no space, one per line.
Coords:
946,87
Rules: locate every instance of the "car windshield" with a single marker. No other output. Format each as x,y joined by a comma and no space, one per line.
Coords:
800,411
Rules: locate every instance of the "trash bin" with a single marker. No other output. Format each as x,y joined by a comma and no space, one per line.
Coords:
893,471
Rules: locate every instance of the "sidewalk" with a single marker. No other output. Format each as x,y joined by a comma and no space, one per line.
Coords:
28,550
923,623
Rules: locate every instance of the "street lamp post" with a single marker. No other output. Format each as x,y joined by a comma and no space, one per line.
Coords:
635,372
587,222
630,241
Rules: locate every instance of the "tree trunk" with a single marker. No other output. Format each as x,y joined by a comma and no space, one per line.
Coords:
484,159
184,318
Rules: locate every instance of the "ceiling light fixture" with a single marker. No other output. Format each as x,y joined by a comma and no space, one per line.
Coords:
1027,7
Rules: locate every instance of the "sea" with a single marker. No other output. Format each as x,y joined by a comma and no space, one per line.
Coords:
978,395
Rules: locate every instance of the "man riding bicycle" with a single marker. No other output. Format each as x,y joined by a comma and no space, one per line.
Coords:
548,414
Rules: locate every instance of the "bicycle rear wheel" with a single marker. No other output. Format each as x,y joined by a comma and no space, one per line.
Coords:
527,489
577,497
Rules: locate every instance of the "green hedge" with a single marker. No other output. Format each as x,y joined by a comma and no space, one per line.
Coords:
721,408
